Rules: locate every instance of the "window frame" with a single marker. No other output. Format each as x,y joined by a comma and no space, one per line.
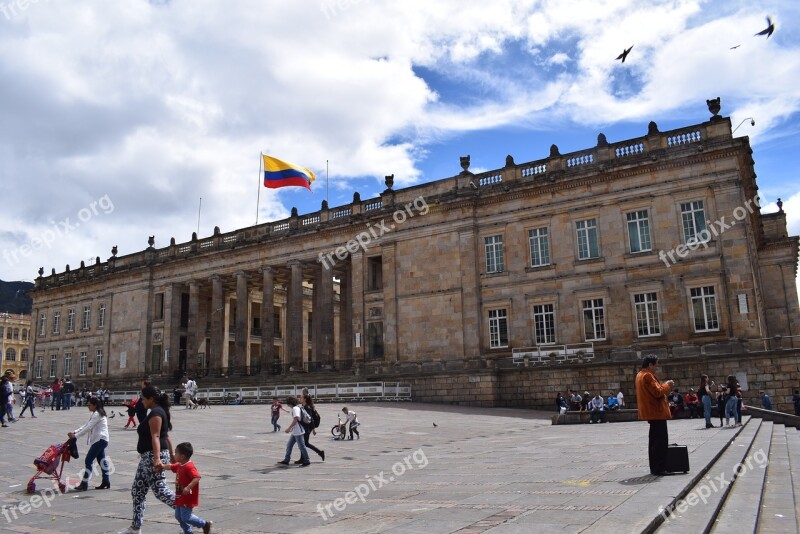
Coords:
646,306
593,309
497,254
544,314
587,229
496,331
539,235
642,229
691,212
702,298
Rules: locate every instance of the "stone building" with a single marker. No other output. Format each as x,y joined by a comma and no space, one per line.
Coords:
15,343
650,244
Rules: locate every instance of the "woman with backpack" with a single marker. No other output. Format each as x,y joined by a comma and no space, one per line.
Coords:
313,416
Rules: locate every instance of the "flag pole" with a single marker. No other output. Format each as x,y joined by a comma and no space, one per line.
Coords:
258,196
326,180
198,215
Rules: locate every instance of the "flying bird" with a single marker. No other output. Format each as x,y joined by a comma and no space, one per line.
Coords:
434,424
769,29
734,47
624,54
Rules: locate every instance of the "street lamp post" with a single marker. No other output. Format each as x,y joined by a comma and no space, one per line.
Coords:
752,123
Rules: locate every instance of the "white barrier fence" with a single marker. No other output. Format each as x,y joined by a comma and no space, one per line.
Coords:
557,353
374,391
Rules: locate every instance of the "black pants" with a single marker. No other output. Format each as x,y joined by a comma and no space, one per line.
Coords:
354,428
308,445
657,446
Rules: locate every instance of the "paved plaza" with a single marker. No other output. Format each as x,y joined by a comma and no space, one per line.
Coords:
499,471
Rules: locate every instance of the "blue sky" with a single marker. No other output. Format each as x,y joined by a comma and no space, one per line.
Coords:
144,107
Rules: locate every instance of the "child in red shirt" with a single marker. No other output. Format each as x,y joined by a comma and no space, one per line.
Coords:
131,406
276,413
187,489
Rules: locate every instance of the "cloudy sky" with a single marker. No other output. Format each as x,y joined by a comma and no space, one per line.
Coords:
116,117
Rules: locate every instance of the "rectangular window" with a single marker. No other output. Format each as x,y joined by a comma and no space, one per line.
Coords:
544,321
639,231
375,340
594,325
494,254
37,367
53,365
87,316
82,358
101,316
540,247
693,217
158,312
98,363
704,307
647,321
71,320
42,326
67,363
375,273
56,322
155,358
498,328
276,324
588,246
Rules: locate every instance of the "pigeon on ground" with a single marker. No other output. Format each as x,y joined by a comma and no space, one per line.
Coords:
624,54
434,424
768,30
112,415
121,414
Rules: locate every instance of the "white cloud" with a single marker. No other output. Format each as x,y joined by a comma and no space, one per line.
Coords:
159,103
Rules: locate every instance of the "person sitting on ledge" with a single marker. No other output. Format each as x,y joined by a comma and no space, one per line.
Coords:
613,403
675,402
693,404
597,408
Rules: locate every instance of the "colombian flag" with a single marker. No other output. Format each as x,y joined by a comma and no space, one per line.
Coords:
279,173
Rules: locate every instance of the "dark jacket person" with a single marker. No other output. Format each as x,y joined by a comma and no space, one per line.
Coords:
654,408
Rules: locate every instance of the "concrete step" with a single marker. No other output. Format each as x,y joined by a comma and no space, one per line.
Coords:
778,511
696,509
793,445
644,511
739,511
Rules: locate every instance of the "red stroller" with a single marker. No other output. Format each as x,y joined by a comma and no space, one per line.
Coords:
50,465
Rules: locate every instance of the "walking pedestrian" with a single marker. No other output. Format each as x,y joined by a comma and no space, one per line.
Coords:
6,392
155,449
97,428
67,390
187,489
276,413
704,391
55,403
653,408
722,400
28,400
190,390
297,433
308,428
141,411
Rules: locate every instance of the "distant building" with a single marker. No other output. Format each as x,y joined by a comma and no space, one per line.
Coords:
641,245
15,331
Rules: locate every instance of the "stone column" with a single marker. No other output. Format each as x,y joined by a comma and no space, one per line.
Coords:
345,314
195,329
388,252
471,318
294,317
217,317
267,321
323,317
238,361
357,305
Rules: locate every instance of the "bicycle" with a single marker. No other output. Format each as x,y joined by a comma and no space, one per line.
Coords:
339,430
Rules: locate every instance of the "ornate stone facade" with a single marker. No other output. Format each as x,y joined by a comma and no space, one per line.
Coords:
15,343
638,245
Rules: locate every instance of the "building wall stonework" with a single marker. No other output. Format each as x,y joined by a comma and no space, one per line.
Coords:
645,244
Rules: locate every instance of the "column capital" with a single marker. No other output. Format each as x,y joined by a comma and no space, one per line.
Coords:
292,263
266,269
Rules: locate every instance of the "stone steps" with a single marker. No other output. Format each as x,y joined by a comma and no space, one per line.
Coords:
777,511
697,508
739,511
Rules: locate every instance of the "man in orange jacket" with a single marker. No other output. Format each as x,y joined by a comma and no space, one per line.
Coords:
654,408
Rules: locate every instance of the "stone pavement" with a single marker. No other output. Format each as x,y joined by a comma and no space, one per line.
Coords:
498,471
